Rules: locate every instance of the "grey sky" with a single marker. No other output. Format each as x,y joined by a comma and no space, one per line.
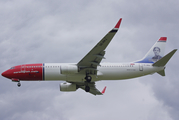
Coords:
64,31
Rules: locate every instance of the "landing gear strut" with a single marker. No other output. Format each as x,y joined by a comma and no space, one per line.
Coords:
88,78
19,84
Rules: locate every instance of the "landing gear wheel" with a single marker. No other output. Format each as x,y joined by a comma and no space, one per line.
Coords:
87,88
88,78
18,84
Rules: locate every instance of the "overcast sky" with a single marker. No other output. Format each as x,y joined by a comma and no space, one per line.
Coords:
43,31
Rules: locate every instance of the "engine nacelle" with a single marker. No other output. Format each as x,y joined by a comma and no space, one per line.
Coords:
68,87
69,69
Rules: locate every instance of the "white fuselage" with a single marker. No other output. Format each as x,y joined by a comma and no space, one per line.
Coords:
107,71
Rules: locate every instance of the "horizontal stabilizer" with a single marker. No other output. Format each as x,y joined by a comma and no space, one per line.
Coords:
163,61
162,73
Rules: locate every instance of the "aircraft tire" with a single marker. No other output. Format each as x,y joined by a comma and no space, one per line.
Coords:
18,84
87,88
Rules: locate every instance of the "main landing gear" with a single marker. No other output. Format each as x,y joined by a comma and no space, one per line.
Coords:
87,88
88,80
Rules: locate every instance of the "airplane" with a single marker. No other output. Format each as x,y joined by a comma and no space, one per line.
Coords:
89,69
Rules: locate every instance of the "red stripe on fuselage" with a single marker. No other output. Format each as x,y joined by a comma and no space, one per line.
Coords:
27,72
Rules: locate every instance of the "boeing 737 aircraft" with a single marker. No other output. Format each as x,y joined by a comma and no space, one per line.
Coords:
89,69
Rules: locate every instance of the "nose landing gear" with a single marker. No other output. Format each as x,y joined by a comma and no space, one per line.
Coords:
16,80
19,84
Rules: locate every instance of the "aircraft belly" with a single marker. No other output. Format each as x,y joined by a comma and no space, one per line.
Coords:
76,78
126,73
116,73
119,75
55,74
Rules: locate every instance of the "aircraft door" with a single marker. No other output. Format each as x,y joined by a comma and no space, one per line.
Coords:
140,67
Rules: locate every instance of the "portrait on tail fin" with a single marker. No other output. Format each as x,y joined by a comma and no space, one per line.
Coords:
157,56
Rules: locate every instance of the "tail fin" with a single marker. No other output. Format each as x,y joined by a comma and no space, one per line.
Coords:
156,52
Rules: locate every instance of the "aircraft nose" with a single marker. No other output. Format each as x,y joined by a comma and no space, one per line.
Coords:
5,74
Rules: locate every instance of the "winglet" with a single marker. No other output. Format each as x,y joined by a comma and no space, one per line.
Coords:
118,23
103,91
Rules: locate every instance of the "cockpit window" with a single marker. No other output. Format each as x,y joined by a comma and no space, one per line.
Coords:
12,67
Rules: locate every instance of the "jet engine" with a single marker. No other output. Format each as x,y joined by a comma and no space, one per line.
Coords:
68,87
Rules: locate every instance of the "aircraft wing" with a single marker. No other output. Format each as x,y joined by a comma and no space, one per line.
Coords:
90,62
93,89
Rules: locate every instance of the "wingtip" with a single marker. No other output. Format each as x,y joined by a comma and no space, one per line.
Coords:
118,23
103,91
